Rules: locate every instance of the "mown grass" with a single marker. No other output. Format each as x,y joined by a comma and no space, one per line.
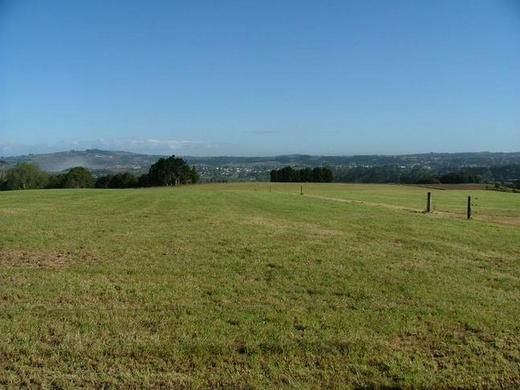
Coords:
253,285
485,203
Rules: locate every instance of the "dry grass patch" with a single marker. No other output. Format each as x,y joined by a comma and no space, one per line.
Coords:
33,259
12,211
503,220
465,186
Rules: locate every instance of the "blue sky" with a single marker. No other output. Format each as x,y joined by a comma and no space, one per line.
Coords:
260,77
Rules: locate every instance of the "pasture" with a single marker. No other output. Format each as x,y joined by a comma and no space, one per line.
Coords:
254,285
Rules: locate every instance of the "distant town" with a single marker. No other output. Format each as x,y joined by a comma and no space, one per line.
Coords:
485,167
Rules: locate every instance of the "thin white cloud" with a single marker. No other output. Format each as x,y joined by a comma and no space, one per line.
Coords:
137,145
169,144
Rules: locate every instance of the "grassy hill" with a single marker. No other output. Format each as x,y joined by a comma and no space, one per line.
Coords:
254,285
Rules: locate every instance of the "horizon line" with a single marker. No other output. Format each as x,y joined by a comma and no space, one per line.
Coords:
257,156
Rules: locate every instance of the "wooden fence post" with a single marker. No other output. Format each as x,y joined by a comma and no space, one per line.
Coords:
429,202
301,189
468,214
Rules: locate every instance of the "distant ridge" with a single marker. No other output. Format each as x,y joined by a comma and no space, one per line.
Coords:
94,159
114,161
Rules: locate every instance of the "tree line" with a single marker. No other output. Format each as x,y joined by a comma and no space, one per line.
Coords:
424,175
311,175
508,175
165,172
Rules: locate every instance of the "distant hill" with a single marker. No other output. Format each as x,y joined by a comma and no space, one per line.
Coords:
433,159
255,168
93,159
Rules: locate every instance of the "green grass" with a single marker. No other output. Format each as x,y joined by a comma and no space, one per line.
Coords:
486,204
253,285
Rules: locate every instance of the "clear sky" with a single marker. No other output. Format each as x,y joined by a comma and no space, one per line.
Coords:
260,77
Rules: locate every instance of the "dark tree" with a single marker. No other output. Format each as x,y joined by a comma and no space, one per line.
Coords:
288,174
56,181
194,175
25,176
78,177
123,180
104,181
171,171
143,181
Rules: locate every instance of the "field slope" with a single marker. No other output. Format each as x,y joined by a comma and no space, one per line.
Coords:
254,285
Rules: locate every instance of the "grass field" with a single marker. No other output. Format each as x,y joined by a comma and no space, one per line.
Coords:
253,285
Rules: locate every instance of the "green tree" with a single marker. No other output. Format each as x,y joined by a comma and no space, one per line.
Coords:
56,181
122,180
194,175
78,177
25,176
143,181
171,171
104,181
288,174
